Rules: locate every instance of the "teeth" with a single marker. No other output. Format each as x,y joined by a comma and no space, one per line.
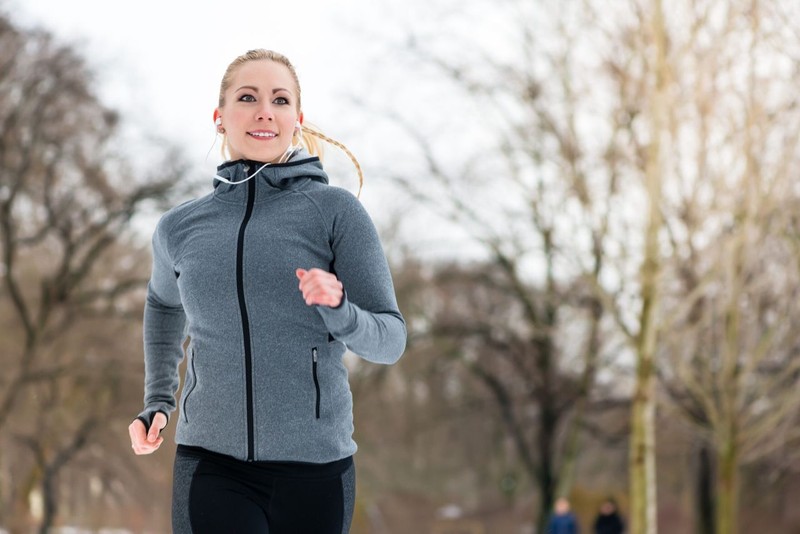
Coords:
263,134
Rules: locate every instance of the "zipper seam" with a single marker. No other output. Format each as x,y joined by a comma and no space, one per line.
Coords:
316,378
248,355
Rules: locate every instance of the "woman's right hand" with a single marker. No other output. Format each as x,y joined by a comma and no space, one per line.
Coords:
147,442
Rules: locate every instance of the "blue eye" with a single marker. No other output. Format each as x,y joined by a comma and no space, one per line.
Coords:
282,100
247,98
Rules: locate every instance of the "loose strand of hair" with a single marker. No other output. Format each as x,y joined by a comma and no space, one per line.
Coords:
341,146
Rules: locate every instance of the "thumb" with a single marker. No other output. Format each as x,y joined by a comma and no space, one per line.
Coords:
158,423
300,273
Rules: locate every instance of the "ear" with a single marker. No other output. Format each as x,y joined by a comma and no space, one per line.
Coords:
217,117
300,118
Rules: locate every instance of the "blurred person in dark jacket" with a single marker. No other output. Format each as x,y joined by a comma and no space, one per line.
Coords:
608,519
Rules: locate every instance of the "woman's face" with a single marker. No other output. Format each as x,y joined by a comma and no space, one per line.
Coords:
260,111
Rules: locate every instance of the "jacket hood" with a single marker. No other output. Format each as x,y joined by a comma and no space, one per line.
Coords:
272,178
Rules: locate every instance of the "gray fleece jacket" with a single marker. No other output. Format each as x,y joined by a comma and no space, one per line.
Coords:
264,378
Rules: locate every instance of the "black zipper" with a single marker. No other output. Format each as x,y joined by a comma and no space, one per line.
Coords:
189,392
248,351
316,380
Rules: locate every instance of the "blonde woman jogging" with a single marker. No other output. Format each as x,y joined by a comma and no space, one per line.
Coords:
272,275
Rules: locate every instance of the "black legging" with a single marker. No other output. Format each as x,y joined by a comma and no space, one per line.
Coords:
216,494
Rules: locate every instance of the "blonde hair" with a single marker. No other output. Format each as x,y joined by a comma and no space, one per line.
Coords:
310,135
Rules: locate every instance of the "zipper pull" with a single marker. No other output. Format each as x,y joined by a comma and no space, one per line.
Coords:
314,354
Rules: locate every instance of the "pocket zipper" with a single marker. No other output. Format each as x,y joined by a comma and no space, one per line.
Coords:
194,385
316,379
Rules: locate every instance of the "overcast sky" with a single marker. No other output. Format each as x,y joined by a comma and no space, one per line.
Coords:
160,63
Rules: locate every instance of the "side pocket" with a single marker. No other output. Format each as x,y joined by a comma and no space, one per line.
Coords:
193,384
316,378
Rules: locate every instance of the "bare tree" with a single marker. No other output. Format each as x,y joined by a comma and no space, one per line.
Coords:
728,363
70,260
532,199
457,419
588,112
642,467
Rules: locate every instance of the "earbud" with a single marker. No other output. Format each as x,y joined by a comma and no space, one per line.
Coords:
218,122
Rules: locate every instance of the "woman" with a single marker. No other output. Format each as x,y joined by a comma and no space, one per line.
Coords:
272,276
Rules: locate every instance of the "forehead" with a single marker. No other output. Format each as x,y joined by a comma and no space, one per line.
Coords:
262,73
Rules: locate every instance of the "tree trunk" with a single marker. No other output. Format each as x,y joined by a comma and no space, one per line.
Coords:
49,501
547,482
642,460
704,491
728,487
642,450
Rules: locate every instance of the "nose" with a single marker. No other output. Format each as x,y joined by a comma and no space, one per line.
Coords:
264,112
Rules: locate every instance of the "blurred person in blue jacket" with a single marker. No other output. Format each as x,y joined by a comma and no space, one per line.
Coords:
563,520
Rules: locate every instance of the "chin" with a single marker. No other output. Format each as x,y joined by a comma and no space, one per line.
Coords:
272,156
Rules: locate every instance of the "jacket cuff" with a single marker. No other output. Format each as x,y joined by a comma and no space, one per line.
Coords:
147,417
341,320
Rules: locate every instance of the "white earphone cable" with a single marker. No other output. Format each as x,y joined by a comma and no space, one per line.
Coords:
221,179
290,151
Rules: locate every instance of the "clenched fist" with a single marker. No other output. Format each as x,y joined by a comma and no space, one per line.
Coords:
147,443
320,287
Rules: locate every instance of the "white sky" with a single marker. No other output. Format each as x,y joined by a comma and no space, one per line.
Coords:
160,64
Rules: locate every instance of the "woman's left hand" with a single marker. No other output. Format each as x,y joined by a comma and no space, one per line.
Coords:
320,287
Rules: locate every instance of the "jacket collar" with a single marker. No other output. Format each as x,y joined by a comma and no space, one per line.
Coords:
271,180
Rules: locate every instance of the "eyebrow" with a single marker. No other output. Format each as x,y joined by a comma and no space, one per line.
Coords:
255,89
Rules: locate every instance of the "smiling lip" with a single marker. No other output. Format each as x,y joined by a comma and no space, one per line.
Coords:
264,135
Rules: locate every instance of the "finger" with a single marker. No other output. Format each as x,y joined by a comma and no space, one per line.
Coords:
137,432
307,278
147,447
308,286
322,276
330,282
159,422
320,287
320,281
323,292
139,441
327,297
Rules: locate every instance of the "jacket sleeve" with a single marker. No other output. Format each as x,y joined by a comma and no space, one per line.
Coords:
367,320
164,323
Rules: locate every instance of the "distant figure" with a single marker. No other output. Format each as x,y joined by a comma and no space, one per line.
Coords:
608,520
563,521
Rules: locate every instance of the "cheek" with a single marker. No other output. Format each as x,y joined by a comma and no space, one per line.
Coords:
290,119
231,122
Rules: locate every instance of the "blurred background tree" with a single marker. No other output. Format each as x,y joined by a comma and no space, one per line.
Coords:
73,269
643,153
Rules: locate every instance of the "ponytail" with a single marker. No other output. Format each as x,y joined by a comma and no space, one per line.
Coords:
310,136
